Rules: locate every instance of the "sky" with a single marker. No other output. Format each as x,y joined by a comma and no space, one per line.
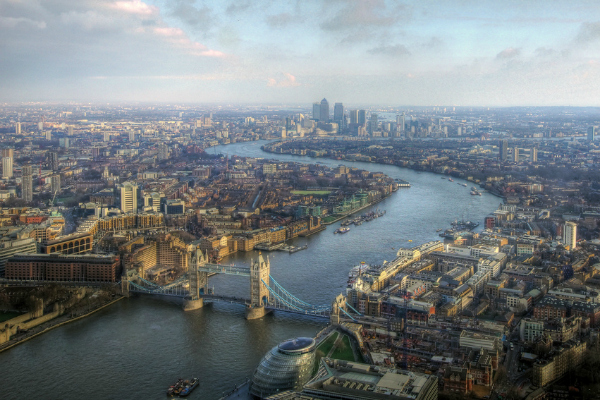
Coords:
396,53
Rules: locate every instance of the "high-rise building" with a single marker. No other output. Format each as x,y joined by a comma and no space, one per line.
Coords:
52,160
8,153
324,114
64,142
338,112
163,152
7,167
591,133
534,154
129,197
18,128
570,235
503,150
362,117
354,116
27,183
400,121
106,136
516,154
41,126
132,135
55,183
70,131
374,123
49,135
316,111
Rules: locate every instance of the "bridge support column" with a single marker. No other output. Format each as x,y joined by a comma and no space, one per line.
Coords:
256,312
125,287
190,304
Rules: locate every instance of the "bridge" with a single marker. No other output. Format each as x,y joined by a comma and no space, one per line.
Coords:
266,294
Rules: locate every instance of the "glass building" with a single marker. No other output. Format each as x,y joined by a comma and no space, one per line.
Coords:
287,366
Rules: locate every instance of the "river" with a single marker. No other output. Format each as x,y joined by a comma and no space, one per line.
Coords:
139,346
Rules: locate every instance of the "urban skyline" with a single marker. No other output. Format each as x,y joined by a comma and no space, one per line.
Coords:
365,52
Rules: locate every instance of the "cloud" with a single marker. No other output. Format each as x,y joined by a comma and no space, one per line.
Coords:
361,13
134,7
280,20
508,53
12,22
289,81
202,18
396,50
588,32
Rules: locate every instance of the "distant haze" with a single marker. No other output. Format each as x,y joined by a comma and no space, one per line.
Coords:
426,52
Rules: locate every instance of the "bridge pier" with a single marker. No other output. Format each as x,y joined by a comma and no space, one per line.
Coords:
190,304
256,312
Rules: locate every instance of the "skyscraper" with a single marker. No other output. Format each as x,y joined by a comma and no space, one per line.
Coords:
362,117
18,128
324,114
55,183
591,134
7,167
316,111
400,120
49,135
374,123
27,183
69,131
338,112
354,116
129,197
503,150
163,152
53,160
516,154
533,154
570,235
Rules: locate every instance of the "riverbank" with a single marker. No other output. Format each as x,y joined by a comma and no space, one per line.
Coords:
357,210
48,326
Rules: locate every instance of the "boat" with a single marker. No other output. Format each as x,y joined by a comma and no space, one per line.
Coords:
439,230
175,389
343,230
464,184
189,387
451,180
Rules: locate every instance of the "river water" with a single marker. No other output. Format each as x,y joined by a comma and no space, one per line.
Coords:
137,347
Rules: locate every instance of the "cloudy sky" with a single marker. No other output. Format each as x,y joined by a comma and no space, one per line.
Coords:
425,52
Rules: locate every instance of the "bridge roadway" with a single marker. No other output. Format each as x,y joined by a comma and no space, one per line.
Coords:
227,299
224,269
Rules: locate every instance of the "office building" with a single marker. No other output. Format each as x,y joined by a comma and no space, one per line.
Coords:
591,133
64,142
570,235
55,183
69,131
7,167
18,128
27,183
400,121
50,267
503,150
8,153
362,117
129,197
52,160
534,155
354,116
48,135
22,245
374,123
324,111
163,152
338,113
316,111
516,154
288,366
106,136
132,135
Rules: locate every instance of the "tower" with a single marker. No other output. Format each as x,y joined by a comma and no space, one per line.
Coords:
591,133
570,235
18,128
374,123
533,154
198,281
27,183
338,113
163,152
53,160
354,117
324,111
129,197
316,111
259,294
503,150
516,154
362,117
55,183
7,167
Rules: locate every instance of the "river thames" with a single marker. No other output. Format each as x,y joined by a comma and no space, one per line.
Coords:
136,348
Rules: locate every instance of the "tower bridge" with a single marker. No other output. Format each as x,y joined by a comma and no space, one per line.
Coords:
266,294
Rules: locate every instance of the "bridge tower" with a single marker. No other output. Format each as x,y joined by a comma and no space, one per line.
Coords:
338,303
259,294
198,281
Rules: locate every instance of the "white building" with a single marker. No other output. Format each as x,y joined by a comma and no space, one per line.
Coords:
7,167
129,197
570,235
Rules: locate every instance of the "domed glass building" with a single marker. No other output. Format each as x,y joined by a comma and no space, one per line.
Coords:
287,366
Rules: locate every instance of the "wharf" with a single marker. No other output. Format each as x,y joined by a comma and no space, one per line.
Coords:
313,231
342,216
269,246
